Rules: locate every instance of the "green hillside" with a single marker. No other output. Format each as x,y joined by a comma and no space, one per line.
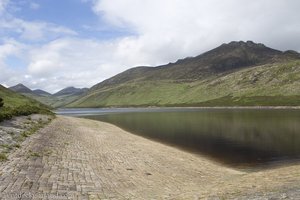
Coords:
16,104
54,101
275,84
63,97
59,99
234,74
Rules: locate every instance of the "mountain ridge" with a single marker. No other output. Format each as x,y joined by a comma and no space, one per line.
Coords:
60,98
41,92
70,91
20,88
194,80
225,58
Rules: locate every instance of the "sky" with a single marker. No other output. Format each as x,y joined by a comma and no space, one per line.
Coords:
53,44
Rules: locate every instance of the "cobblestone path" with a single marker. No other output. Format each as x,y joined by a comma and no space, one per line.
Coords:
82,159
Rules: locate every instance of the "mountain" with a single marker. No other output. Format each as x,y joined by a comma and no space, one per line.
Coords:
20,88
41,92
59,99
237,73
17,104
39,95
225,58
65,96
71,91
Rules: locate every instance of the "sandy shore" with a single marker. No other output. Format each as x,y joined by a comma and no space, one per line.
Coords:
75,158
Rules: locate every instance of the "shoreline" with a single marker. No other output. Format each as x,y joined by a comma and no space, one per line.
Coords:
64,111
91,159
188,107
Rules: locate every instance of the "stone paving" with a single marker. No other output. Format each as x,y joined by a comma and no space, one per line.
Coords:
82,159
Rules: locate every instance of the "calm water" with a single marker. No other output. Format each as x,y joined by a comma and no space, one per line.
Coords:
236,137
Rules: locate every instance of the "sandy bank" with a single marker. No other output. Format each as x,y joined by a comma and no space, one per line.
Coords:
78,158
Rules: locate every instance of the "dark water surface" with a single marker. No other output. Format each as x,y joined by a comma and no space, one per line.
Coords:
243,138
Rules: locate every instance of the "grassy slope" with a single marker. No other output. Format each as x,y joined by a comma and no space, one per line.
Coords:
273,84
54,101
16,104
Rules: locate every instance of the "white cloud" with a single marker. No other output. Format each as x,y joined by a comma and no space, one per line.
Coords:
82,62
3,4
165,30
33,31
41,30
72,62
193,26
9,47
34,6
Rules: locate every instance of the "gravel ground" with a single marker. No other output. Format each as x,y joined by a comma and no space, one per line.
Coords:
13,132
74,158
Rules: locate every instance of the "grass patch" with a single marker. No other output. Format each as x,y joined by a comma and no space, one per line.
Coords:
7,147
47,152
34,154
3,157
35,126
33,129
24,134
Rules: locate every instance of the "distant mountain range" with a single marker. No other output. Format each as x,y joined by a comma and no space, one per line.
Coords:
233,74
41,92
20,88
71,91
16,104
59,99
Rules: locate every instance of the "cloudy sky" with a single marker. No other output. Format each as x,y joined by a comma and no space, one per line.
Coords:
52,44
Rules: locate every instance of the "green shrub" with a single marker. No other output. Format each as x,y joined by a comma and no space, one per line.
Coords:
1,102
25,110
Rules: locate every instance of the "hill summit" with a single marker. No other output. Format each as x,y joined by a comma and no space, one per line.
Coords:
70,91
223,59
236,73
20,88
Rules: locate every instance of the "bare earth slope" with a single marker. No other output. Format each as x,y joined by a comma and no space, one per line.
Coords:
83,159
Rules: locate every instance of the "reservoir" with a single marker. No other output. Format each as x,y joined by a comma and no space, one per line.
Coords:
240,138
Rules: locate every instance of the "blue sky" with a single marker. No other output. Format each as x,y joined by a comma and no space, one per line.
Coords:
74,14
52,44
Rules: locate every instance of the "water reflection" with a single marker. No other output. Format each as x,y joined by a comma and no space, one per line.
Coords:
240,138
